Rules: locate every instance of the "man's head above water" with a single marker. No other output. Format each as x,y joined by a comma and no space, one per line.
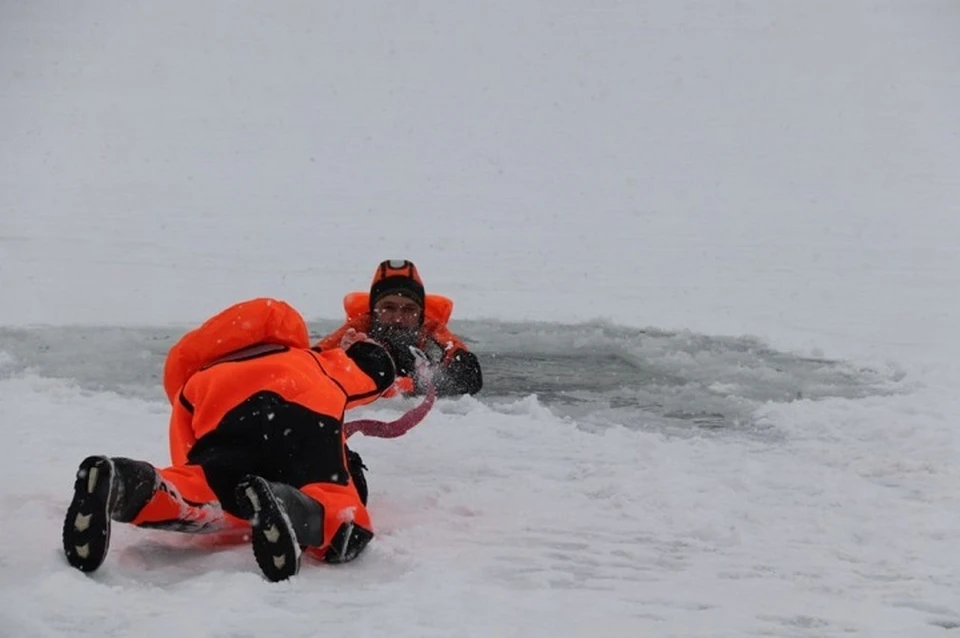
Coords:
399,315
397,295
397,306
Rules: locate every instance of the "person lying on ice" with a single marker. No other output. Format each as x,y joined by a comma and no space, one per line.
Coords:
397,313
257,440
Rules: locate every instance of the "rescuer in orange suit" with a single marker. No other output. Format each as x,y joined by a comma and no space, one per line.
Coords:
257,442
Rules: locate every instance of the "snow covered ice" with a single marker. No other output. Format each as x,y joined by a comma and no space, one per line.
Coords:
708,255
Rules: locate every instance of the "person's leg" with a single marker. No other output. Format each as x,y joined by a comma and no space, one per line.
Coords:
303,495
265,438
327,520
256,460
274,524
347,527
106,489
185,502
253,439
129,491
86,526
315,461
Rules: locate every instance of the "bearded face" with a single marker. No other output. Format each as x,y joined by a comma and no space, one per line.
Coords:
397,340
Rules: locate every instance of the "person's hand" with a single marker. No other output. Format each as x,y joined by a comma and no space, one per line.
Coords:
424,368
352,336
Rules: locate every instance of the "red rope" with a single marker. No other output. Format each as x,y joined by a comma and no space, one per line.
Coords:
393,429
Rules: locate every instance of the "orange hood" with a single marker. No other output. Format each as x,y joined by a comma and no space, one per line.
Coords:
261,320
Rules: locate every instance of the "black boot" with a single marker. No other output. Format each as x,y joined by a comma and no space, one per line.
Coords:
349,540
283,519
136,483
307,519
105,489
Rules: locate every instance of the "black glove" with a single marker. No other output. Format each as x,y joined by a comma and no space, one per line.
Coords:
460,375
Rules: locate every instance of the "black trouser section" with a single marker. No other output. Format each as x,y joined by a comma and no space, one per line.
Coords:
356,467
138,481
275,439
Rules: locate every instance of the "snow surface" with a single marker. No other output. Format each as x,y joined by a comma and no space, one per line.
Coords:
785,172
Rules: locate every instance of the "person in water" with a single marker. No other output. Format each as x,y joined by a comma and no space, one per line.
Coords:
397,313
